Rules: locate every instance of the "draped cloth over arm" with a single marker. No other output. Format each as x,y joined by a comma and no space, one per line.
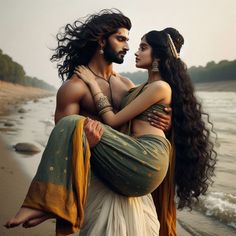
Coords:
60,184
130,166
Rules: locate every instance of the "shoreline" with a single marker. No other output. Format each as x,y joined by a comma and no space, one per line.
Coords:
218,86
14,180
12,96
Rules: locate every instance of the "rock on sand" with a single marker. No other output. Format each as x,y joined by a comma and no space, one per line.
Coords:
26,147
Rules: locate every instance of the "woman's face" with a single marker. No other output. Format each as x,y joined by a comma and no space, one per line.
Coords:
144,55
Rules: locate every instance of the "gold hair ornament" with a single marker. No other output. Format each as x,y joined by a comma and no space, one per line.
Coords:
172,47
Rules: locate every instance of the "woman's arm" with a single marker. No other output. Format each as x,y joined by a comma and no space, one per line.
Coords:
154,93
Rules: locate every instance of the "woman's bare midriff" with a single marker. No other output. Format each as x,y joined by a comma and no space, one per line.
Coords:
141,127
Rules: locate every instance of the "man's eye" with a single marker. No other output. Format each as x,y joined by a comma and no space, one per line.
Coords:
121,39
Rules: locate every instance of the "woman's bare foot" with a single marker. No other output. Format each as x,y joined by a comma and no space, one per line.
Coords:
36,221
23,215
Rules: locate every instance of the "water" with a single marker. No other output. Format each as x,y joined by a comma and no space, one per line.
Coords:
216,213
34,126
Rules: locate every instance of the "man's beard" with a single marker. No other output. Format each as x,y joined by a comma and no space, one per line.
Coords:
111,56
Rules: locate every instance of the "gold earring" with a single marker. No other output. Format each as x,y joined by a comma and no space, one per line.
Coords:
155,66
101,51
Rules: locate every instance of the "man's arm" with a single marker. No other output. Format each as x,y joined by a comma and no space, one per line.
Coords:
69,97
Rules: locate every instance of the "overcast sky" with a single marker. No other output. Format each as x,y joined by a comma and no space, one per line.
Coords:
28,29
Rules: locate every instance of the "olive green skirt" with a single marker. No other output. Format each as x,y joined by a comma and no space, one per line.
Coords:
129,166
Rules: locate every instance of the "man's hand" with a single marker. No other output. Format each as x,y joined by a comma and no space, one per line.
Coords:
160,120
93,131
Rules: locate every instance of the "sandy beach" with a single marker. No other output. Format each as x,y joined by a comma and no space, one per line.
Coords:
12,95
14,185
14,180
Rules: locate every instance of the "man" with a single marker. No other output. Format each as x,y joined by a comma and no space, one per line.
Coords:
98,42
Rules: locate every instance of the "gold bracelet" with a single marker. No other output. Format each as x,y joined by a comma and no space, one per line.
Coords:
104,110
102,103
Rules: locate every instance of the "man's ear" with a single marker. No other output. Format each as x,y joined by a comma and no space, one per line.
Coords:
102,42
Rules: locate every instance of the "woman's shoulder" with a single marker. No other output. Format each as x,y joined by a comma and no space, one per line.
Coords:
160,84
159,91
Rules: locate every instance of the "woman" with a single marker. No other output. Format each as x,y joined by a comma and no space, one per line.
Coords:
168,84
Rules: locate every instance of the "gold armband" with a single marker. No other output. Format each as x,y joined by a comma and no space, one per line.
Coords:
102,103
104,110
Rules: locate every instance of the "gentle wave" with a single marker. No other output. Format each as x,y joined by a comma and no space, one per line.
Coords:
221,206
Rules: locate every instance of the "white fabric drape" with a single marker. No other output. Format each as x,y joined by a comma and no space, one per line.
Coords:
110,214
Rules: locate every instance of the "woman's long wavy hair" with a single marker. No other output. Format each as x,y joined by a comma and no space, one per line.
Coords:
79,41
195,157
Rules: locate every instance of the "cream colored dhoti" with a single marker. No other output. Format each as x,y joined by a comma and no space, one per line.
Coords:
110,214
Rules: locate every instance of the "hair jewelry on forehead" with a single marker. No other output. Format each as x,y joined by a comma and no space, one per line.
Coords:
172,47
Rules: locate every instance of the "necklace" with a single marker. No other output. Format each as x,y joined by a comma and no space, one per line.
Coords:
107,80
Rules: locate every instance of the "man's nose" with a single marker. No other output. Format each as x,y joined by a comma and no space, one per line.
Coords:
126,46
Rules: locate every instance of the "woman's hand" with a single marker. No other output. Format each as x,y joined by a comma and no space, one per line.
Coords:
85,74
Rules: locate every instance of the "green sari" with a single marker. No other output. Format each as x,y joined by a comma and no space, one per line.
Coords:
130,166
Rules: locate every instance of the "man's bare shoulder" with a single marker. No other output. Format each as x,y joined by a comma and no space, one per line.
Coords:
70,96
73,87
127,82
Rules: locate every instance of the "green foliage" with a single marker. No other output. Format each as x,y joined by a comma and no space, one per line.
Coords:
13,72
222,71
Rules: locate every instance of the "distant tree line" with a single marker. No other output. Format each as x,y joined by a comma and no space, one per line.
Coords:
13,72
222,71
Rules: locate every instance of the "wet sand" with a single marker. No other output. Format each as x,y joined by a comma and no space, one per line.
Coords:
14,181
14,185
12,95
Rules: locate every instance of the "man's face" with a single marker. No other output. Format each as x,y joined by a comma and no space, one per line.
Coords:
117,46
